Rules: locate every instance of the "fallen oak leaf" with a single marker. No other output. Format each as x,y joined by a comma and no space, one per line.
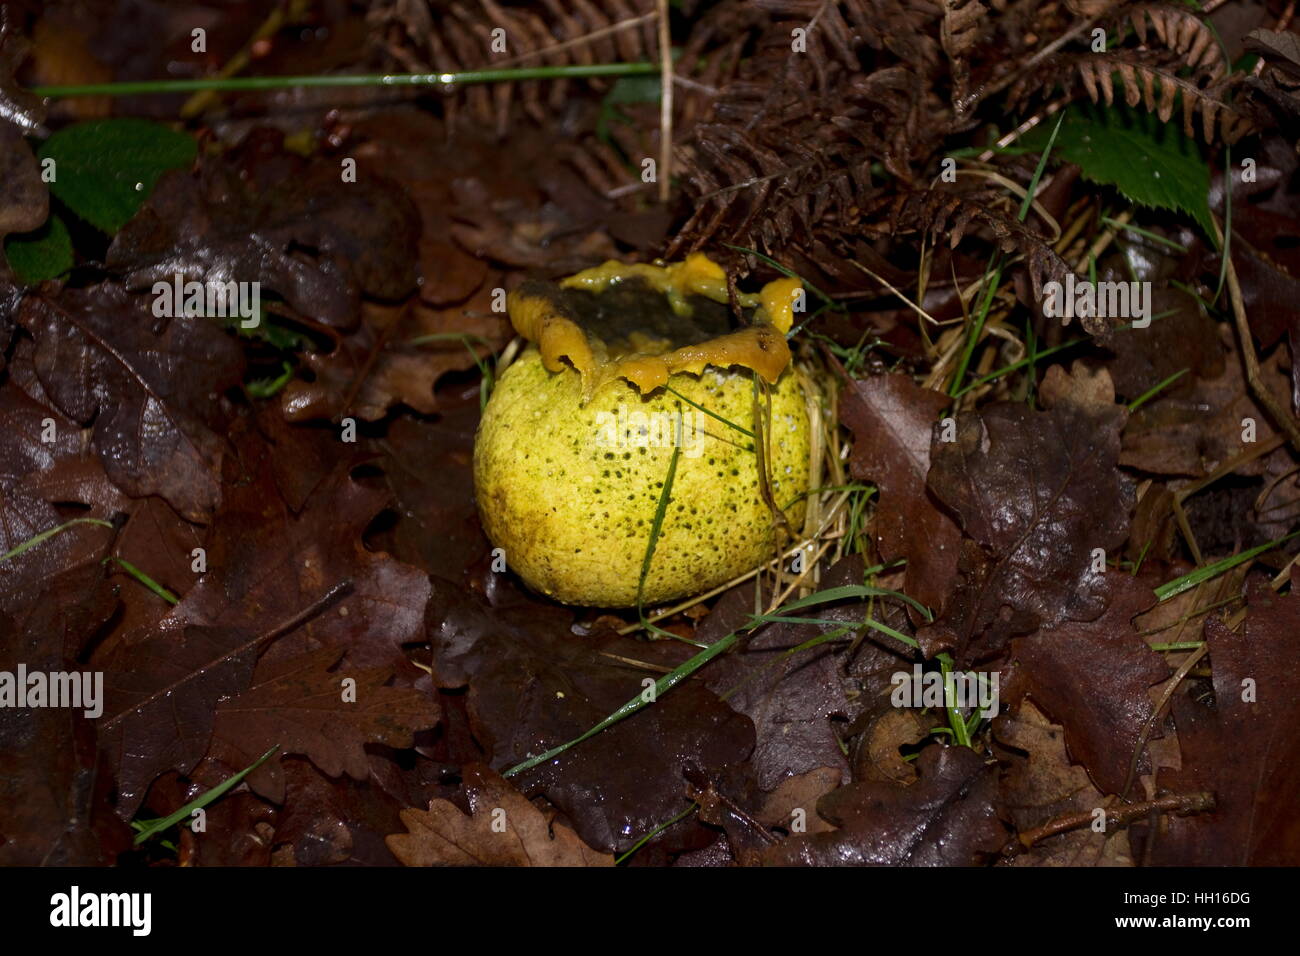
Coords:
946,818
331,820
161,692
1195,430
502,829
24,511
1243,748
156,538
1040,784
1093,677
792,698
54,796
533,686
396,355
428,467
1037,492
151,387
892,421
215,227
266,559
304,706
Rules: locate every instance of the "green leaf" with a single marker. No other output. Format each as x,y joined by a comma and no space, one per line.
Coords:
44,253
1152,163
105,169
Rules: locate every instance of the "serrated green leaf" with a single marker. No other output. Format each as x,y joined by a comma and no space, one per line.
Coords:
44,253
1152,163
105,169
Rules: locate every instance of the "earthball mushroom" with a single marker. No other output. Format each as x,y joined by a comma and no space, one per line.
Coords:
636,375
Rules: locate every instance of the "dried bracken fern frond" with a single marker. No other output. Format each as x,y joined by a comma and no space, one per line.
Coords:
449,37
1178,57
963,21
941,212
1182,31
961,26
784,158
1157,90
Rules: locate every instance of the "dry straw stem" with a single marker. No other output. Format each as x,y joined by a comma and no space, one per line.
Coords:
1276,410
665,103
285,14
824,534
1157,713
628,24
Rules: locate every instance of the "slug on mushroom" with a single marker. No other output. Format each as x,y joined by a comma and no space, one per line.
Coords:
627,364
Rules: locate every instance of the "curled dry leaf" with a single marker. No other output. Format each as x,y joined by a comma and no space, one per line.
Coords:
1041,784
501,829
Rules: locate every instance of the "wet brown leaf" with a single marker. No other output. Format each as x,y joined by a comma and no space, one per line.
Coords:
54,807
791,698
1041,784
1242,745
502,829
1093,678
152,388
892,421
534,684
1037,492
946,818
216,226
300,704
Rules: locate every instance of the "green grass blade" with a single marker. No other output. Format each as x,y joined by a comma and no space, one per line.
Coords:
1028,202
144,579
238,83
853,591
712,414
655,832
662,686
154,827
1155,390
49,533
1147,233
1193,578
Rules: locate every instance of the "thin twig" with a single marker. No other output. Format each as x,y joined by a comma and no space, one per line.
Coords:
1276,410
1170,686
665,104
1116,817
586,38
